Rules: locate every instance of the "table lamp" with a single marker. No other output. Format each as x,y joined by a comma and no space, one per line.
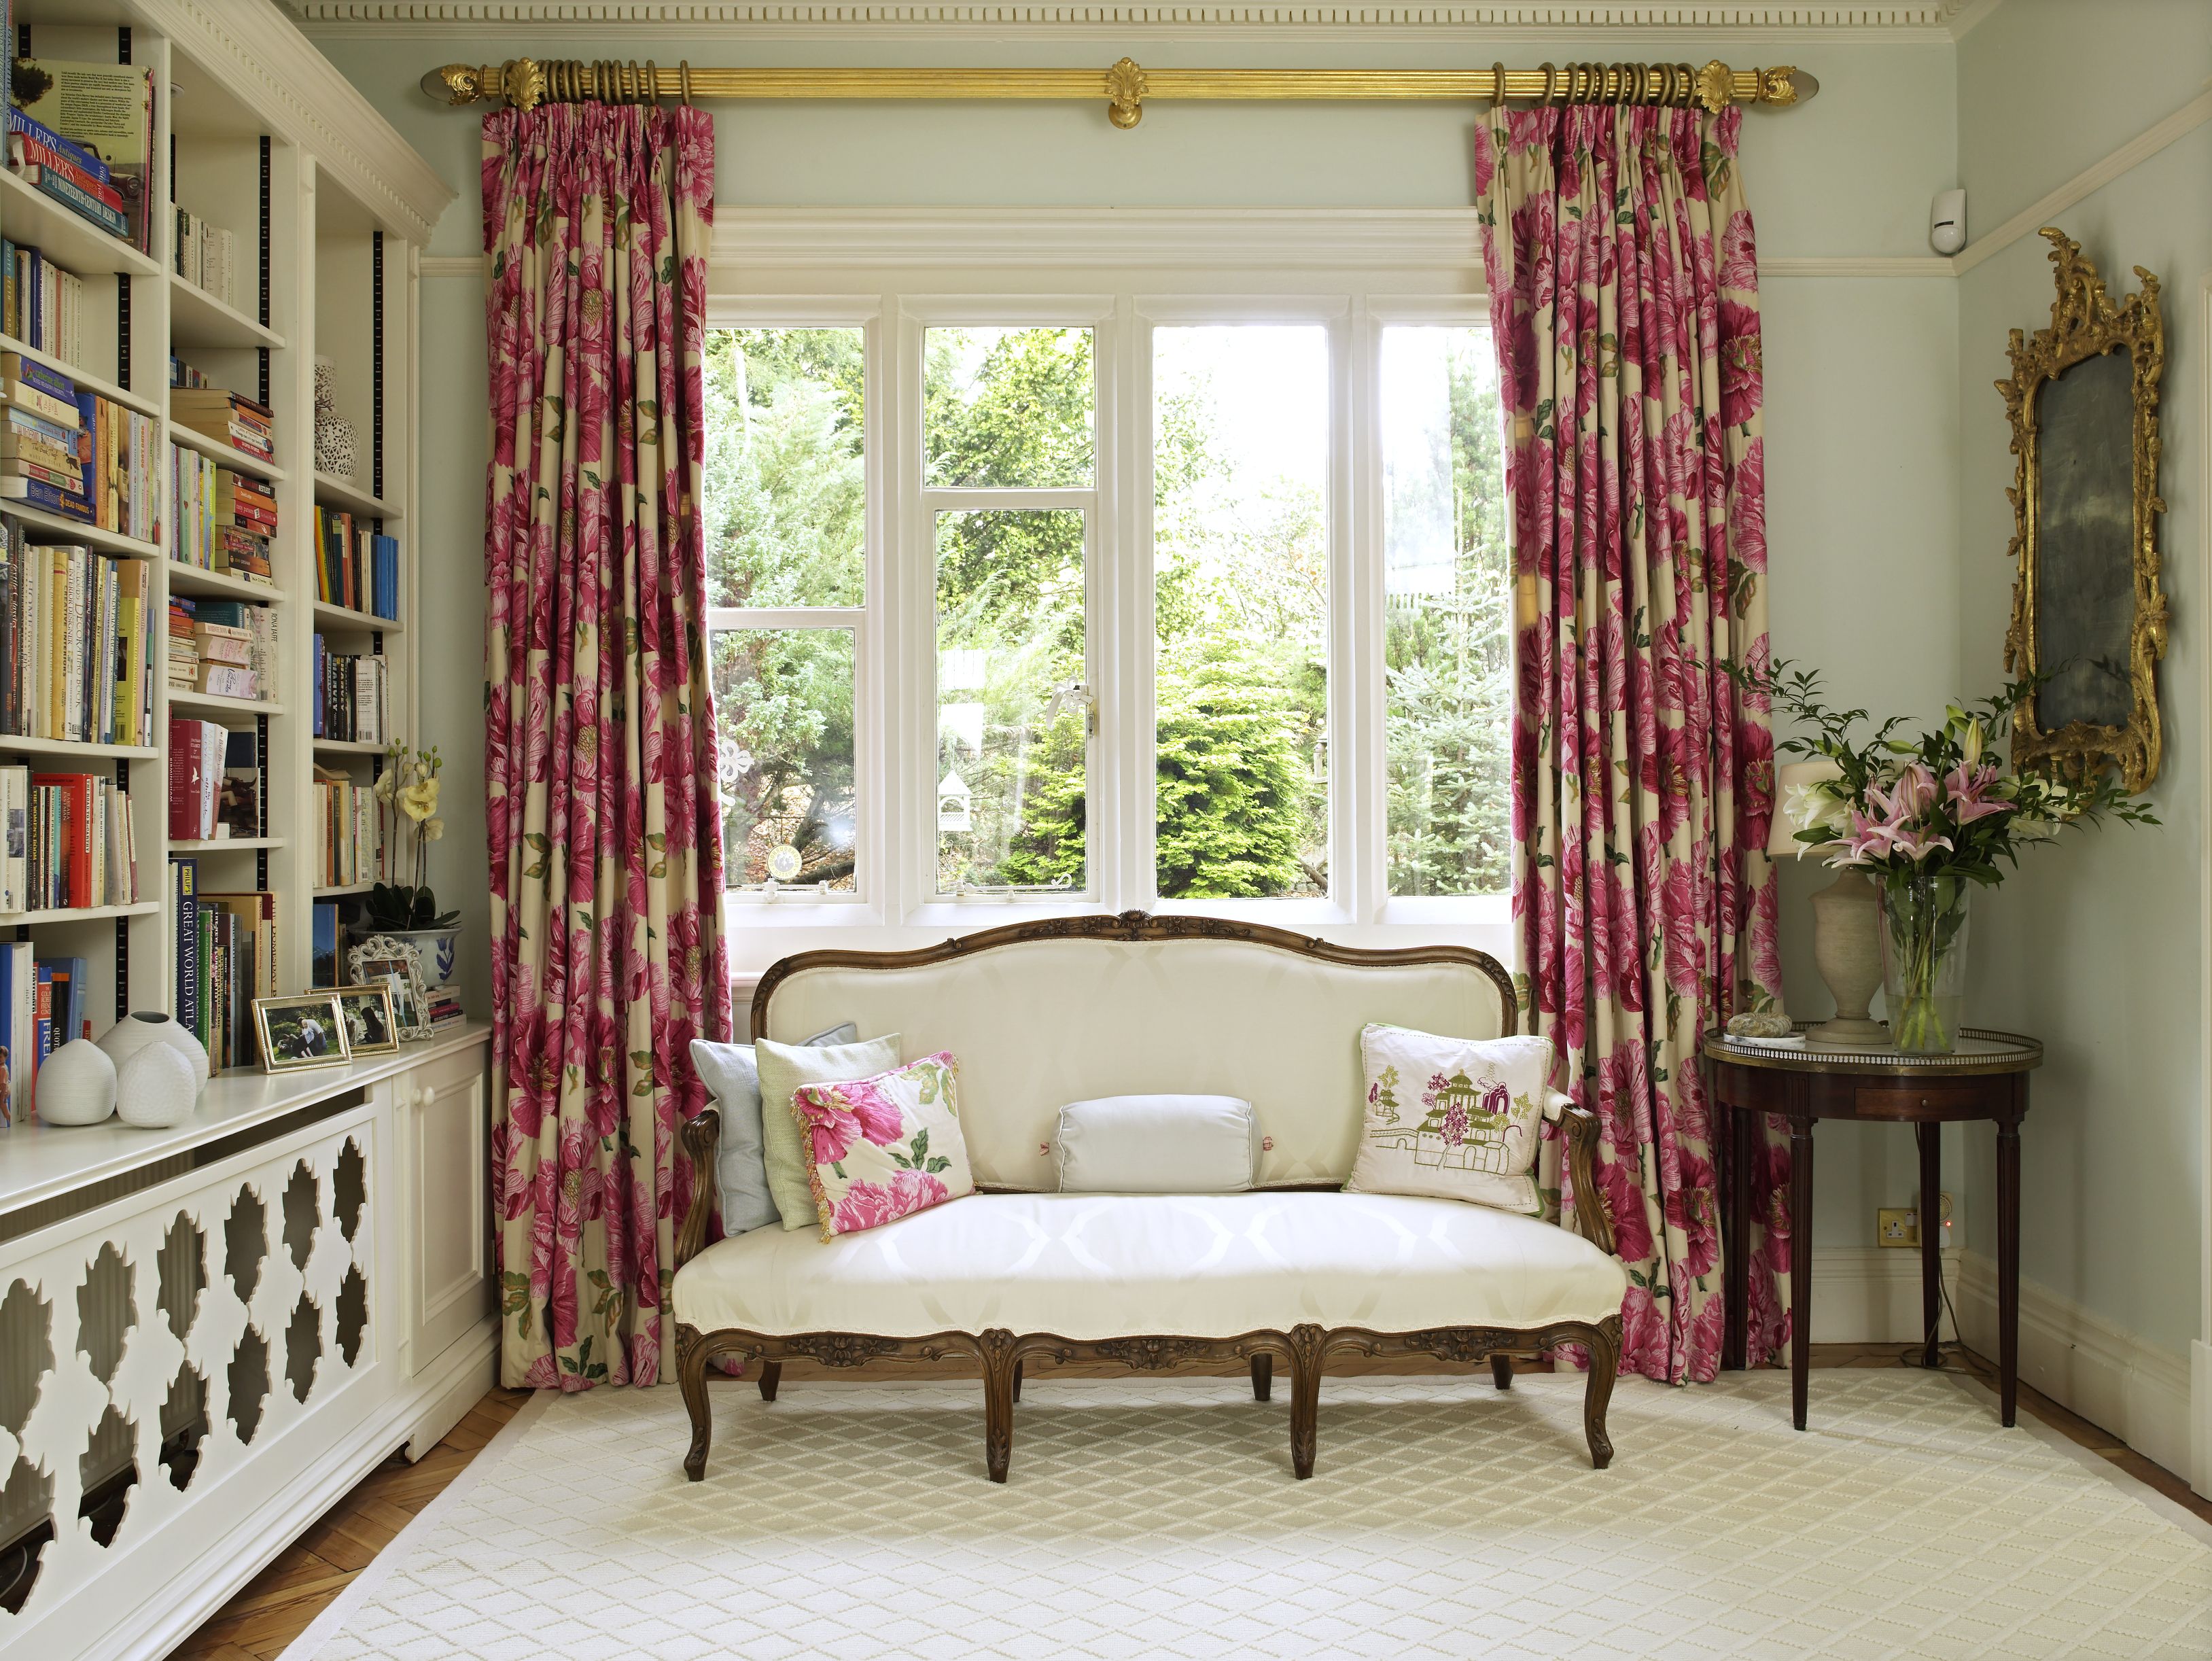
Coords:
1846,923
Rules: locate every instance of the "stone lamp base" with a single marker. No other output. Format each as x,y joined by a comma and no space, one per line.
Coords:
1847,947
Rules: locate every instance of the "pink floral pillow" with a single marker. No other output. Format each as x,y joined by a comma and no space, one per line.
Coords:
884,1147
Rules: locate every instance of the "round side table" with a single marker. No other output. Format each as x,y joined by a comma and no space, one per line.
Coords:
1985,1078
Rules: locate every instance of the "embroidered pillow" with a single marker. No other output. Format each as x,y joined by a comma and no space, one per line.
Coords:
884,1147
1452,1118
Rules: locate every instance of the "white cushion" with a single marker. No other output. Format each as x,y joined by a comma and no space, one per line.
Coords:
1213,1266
1157,1145
1043,1022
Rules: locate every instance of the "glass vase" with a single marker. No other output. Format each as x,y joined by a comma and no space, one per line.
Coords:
1923,958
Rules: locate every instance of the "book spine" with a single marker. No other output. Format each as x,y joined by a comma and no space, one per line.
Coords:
25,151
81,202
30,127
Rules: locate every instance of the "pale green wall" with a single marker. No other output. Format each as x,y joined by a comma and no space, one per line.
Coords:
2096,945
1862,395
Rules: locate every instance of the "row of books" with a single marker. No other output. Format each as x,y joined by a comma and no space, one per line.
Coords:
41,304
446,1009
205,255
231,418
356,567
68,842
351,693
75,453
348,840
82,134
43,1003
224,518
226,957
75,643
215,782
182,374
225,646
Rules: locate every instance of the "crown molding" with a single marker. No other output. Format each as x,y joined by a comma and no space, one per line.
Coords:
1922,20
260,57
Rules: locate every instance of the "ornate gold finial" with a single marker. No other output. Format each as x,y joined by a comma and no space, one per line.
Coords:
457,83
523,81
1777,85
1125,92
1716,86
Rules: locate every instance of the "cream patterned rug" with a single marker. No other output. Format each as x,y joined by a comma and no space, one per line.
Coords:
1159,1518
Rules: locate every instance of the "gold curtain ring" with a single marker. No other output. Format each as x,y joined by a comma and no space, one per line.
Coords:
684,71
1551,77
653,82
1498,70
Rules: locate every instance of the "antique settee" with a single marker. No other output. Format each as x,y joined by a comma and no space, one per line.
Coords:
1043,1013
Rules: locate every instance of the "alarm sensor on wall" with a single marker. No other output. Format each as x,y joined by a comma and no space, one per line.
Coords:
1947,221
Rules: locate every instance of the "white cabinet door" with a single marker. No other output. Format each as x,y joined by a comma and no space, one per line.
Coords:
443,1107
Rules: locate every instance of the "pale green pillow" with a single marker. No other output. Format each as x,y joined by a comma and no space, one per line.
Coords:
783,1069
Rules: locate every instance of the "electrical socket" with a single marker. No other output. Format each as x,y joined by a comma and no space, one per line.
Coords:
1896,1226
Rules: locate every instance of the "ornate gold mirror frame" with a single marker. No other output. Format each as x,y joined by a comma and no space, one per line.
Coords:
2068,547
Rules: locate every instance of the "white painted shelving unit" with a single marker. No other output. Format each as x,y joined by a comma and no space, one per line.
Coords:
228,1322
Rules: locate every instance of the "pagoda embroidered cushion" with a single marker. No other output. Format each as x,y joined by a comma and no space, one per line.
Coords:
1452,1118
884,1147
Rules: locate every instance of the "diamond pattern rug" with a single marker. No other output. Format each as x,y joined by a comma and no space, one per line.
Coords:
1159,1518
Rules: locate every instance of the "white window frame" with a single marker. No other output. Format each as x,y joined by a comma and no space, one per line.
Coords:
1195,275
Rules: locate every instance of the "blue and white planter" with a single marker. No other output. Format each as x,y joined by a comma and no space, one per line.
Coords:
439,947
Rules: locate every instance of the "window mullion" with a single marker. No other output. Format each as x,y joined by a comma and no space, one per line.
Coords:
1139,828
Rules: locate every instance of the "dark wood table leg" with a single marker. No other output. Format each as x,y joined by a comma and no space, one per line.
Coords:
1931,1237
1801,1265
2008,1265
1735,1283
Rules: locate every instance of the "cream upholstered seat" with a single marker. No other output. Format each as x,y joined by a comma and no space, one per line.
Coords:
1089,1266
1074,1008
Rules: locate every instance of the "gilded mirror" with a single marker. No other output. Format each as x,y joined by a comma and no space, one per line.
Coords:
2087,608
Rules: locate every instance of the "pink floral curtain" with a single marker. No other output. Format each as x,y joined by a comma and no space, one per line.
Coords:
1625,303
607,956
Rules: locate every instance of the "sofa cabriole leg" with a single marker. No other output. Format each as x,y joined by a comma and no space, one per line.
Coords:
1604,1346
1263,1377
1017,1381
997,1350
771,1375
692,1358
1501,1371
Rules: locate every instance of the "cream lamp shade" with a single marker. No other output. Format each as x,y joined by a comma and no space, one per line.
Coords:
1789,779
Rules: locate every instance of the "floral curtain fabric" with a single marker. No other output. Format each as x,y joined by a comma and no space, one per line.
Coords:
607,956
1625,304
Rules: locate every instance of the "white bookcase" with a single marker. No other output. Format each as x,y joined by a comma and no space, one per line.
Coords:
213,1331
323,266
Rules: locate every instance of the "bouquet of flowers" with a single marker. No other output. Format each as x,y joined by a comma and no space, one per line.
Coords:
1925,817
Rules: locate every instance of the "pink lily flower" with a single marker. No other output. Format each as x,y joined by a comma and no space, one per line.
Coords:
1917,845
1969,800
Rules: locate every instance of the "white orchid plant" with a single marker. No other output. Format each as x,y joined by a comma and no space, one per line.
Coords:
408,823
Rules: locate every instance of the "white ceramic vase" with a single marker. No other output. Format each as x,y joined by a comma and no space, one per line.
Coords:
76,1085
134,1031
155,1087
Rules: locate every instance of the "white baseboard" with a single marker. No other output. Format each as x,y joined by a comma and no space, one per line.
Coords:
1871,1295
456,1382
2200,1392
2081,1360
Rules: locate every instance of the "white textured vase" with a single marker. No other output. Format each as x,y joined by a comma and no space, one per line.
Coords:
76,1086
155,1087
134,1031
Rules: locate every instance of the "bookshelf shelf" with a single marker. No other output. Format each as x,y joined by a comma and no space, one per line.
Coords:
79,914
197,319
191,579
69,750
229,455
91,383
52,528
33,217
338,891
342,617
228,844
333,491
347,747
215,703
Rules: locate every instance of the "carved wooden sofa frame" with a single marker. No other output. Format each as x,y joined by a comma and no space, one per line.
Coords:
1001,1354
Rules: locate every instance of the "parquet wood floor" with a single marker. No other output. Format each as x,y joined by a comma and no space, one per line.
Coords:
280,1601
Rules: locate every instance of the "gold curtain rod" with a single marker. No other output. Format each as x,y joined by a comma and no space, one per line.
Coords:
526,82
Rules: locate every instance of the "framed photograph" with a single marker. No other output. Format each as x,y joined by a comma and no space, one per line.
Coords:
397,966
372,1028
301,1030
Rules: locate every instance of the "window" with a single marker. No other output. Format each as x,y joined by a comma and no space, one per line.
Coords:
1240,571
1007,432
785,512
1448,640
1070,600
